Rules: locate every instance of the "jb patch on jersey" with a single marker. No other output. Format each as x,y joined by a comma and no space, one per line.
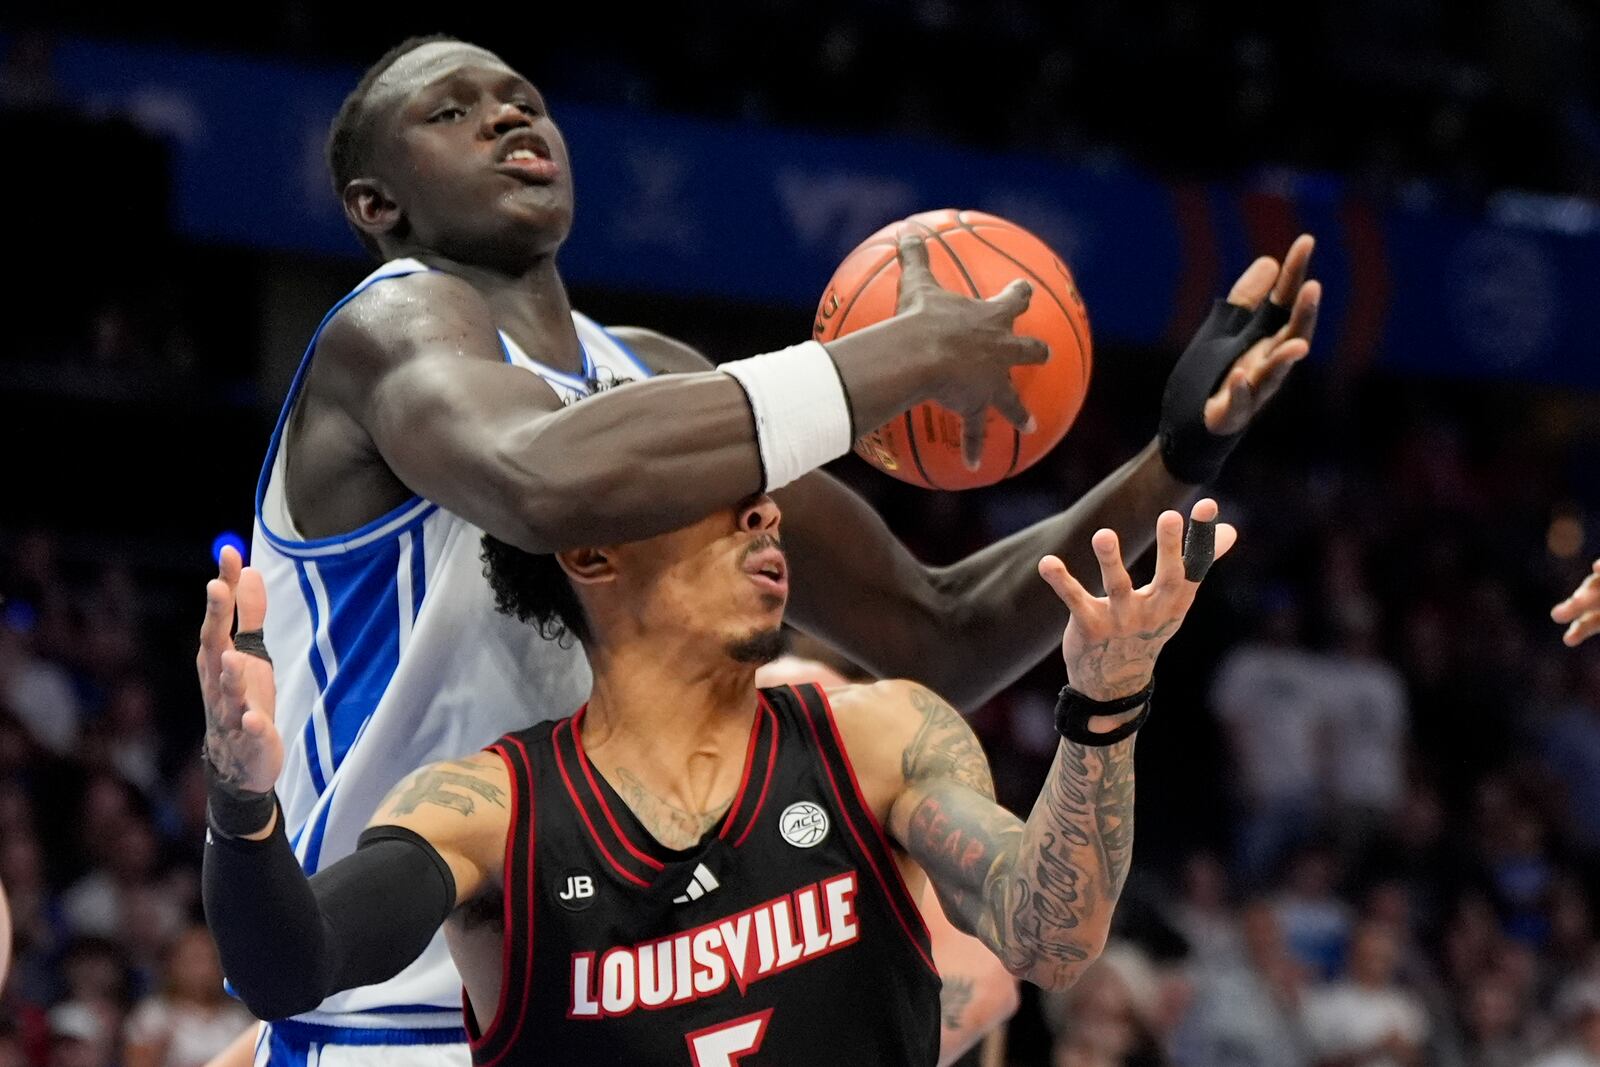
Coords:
786,932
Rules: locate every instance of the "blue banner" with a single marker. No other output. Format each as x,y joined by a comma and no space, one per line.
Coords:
745,212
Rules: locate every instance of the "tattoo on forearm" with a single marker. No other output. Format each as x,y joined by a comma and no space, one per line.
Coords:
1039,894
954,999
444,788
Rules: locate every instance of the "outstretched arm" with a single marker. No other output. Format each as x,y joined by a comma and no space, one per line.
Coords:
414,370
1040,893
286,941
972,628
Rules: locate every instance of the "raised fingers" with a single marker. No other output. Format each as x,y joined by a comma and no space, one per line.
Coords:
1114,577
251,595
1583,627
1169,549
1254,284
1295,267
1069,589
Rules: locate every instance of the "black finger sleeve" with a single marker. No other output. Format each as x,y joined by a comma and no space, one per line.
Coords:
1192,453
1199,548
288,942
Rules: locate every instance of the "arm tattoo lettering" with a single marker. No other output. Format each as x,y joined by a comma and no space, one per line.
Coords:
1039,894
447,788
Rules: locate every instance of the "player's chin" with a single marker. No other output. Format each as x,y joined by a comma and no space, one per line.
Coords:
760,647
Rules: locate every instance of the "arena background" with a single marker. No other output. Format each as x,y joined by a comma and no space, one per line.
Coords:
1372,759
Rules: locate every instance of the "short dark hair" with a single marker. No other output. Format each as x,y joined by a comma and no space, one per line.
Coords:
531,587
349,137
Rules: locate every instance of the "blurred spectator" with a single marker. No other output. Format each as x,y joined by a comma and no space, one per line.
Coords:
1111,1017
1204,915
36,690
1569,742
1367,723
1579,1011
1267,695
125,892
1366,1020
1315,920
192,1018
1247,1013
1494,1024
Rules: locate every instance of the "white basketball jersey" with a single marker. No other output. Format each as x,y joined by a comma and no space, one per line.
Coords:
389,654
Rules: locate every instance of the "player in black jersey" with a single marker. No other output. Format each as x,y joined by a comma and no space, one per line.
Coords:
691,870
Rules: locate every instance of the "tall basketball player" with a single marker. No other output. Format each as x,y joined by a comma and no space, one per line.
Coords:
690,870
440,399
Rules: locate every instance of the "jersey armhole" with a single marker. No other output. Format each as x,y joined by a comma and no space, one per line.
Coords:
896,893
490,1045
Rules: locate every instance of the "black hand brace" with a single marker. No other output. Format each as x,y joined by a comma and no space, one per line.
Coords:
1191,452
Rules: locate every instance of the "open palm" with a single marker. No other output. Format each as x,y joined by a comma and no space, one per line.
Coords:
242,741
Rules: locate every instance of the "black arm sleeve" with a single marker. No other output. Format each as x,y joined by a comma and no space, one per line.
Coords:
288,942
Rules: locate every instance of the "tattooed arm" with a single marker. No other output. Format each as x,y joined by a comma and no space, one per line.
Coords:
1039,893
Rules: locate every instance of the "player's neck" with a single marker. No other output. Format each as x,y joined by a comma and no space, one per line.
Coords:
683,731
529,303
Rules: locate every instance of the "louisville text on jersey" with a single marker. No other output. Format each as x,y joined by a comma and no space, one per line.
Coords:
746,947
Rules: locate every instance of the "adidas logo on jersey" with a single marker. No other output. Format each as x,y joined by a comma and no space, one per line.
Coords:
702,883
742,948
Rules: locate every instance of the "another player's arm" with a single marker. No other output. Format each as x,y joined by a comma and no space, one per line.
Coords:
1039,893
418,366
863,592
287,942
978,994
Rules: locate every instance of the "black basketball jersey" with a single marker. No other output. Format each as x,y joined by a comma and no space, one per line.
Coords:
785,937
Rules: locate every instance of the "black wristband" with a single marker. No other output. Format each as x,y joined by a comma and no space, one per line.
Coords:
1074,710
233,812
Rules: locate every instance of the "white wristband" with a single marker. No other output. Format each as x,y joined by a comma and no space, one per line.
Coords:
802,416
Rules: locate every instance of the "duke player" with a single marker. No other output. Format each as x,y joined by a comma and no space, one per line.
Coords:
433,403
691,870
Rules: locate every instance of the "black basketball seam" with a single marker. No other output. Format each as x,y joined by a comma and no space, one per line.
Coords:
845,314
1083,370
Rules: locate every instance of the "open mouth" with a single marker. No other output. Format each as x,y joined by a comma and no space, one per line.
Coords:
527,156
769,569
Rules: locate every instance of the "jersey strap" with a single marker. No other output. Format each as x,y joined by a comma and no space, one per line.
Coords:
516,960
863,826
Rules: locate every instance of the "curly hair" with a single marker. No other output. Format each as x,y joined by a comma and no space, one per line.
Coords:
531,587
349,136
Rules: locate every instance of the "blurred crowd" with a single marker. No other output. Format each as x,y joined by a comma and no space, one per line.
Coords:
1470,95
1369,815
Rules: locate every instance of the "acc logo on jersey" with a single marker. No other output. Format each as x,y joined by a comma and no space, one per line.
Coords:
577,892
803,824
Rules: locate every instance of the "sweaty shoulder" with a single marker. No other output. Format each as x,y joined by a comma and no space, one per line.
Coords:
662,354
396,319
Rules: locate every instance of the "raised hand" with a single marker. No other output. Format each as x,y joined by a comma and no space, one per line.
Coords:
241,741
1581,610
972,344
1257,374
1112,641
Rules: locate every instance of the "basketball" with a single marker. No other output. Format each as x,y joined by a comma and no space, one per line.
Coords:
976,254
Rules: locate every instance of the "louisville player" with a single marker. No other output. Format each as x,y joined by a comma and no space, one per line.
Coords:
454,392
690,869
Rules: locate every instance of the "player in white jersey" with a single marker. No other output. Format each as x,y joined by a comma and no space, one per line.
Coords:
414,425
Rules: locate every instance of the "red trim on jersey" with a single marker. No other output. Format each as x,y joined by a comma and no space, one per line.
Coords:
732,815
507,893
583,812
734,1058
877,827
600,797
766,782
844,813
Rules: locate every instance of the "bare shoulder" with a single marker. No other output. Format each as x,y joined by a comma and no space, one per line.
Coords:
662,354
899,732
427,312
460,801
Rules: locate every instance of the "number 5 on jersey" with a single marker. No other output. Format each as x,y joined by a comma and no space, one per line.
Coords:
725,1044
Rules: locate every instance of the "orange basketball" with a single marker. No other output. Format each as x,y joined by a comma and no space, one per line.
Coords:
978,255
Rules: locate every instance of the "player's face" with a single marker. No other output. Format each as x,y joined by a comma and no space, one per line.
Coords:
723,579
468,152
